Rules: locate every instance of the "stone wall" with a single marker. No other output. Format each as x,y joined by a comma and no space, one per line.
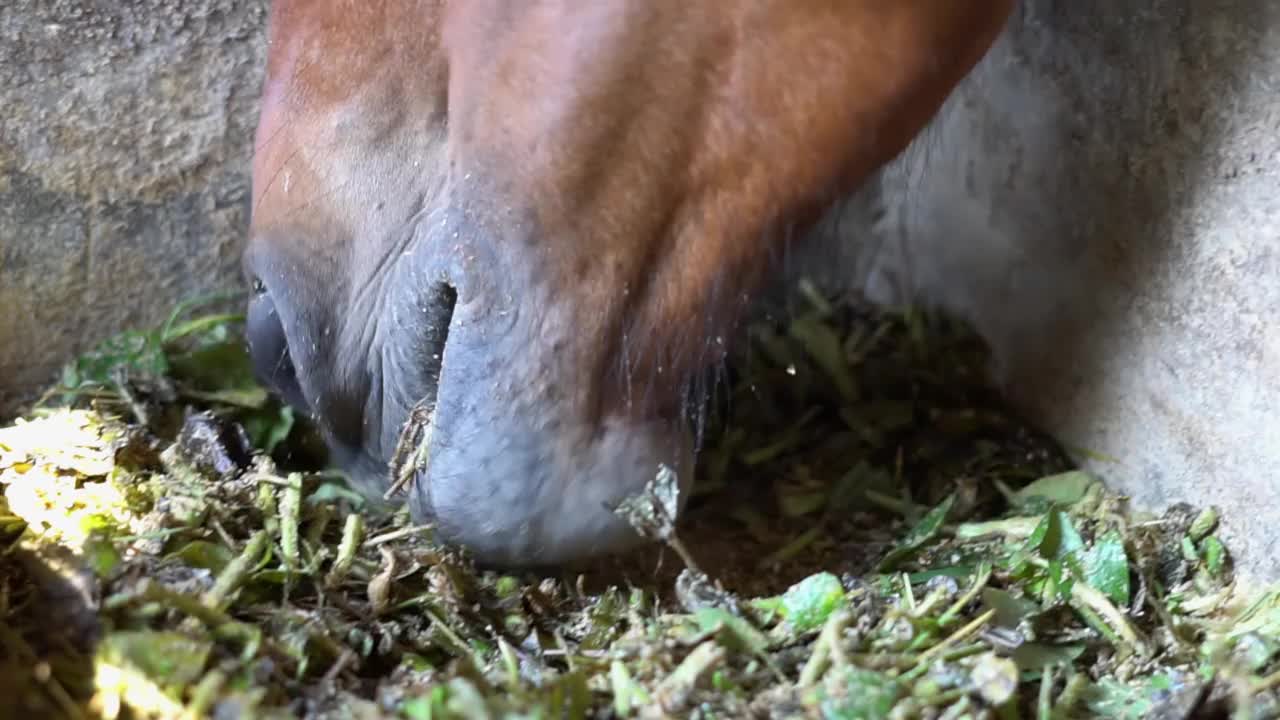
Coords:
125,134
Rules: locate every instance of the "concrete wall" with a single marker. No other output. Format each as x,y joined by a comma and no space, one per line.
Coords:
125,132
1102,199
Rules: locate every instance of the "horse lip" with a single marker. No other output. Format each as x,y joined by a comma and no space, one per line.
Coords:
282,376
411,456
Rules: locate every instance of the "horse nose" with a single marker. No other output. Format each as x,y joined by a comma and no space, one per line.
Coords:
269,347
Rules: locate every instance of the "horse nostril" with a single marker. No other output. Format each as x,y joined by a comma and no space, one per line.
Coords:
269,347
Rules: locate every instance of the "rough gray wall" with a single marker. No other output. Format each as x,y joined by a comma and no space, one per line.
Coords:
125,134
1102,199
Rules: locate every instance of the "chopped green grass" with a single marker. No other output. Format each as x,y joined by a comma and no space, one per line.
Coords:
872,535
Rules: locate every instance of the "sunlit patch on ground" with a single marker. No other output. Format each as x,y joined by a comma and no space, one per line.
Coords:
59,475
873,535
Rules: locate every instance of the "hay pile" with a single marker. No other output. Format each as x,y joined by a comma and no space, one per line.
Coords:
872,536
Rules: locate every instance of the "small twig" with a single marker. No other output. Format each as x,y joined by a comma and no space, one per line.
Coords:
589,654
379,586
510,663
979,582
564,646
1161,611
1077,683
331,675
792,548
454,637
318,523
930,601
387,537
685,556
825,649
237,571
352,532
222,532
908,595
205,694
412,448
290,517
1044,707
956,711
947,697
122,387
1089,601
1015,528
269,479
892,504
674,690
922,665
1270,682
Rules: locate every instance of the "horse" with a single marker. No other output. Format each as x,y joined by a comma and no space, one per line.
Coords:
532,225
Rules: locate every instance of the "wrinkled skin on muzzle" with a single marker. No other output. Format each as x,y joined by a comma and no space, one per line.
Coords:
538,221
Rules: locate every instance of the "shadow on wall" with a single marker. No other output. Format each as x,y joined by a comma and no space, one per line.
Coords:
1099,199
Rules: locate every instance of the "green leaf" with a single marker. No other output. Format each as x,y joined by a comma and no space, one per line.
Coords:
1037,538
219,367
603,619
627,693
427,707
102,557
331,492
1033,657
733,632
269,427
807,604
1105,567
1061,580
129,352
921,534
166,658
168,332
1056,537
204,554
1062,489
1188,549
1215,554
200,324
824,346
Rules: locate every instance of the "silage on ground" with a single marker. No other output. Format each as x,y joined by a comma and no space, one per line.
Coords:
873,534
